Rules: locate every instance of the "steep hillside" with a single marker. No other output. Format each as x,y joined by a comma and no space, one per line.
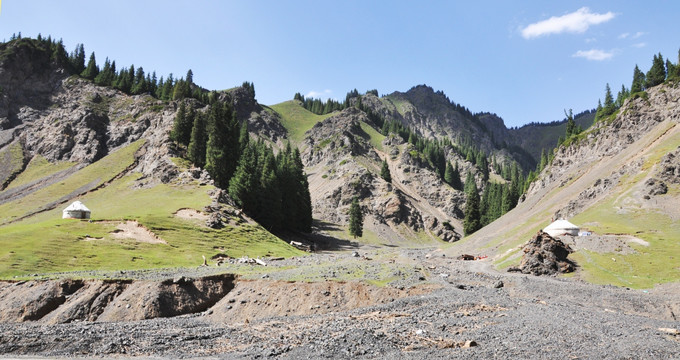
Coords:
619,180
64,138
410,210
343,151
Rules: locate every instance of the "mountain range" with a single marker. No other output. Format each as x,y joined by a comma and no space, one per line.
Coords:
65,138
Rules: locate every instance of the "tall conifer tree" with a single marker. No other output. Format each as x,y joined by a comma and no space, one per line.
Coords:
356,219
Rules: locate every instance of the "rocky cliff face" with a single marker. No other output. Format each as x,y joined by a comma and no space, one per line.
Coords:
343,163
637,117
44,111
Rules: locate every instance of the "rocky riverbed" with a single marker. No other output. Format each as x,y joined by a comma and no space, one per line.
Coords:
429,306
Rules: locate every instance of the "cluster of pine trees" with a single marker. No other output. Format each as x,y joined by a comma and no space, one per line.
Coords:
130,80
660,72
272,189
319,107
496,199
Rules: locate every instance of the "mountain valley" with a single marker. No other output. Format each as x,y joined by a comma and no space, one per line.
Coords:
176,261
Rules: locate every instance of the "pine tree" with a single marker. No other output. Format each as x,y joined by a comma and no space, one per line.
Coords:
222,152
243,137
166,91
621,96
78,59
243,186
139,85
638,81
670,70
183,125
544,160
270,208
303,197
469,182
295,196
448,174
385,172
608,102
106,75
472,220
457,184
197,143
356,219
657,74
91,71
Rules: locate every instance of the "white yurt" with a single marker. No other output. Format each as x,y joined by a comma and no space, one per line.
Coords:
562,227
76,210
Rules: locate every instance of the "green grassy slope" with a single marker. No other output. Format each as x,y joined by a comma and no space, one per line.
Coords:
622,211
11,162
296,119
46,243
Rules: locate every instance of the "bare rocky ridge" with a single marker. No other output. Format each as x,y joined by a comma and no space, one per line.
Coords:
343,164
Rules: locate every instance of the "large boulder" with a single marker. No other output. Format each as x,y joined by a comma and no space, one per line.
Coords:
545,255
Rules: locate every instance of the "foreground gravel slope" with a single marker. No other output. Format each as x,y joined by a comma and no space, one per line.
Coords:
505,315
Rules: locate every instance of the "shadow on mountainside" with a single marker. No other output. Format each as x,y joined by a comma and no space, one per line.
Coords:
320,239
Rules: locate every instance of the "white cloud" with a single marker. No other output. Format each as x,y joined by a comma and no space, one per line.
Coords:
319,94
594,54
576,22
639,45
637,35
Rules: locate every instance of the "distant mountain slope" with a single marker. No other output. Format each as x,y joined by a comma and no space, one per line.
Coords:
357,136
620,179
534,138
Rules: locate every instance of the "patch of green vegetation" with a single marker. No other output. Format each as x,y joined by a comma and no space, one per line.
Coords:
182,163
374,137
11,161
322,144
640,95
402,106
99,104
662,149
47,243
87,178
650,265
342,162
39,168
512,258
296,119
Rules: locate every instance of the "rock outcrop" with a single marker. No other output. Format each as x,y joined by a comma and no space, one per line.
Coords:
343,162
545,255
64,301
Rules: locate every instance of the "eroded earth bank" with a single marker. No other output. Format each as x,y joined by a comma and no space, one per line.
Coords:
384,303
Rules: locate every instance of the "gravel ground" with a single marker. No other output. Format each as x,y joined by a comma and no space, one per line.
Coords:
472,312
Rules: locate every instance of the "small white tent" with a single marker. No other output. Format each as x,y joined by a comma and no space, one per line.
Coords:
562,227
76,210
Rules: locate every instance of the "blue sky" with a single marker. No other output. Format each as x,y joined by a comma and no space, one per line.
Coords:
523,60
